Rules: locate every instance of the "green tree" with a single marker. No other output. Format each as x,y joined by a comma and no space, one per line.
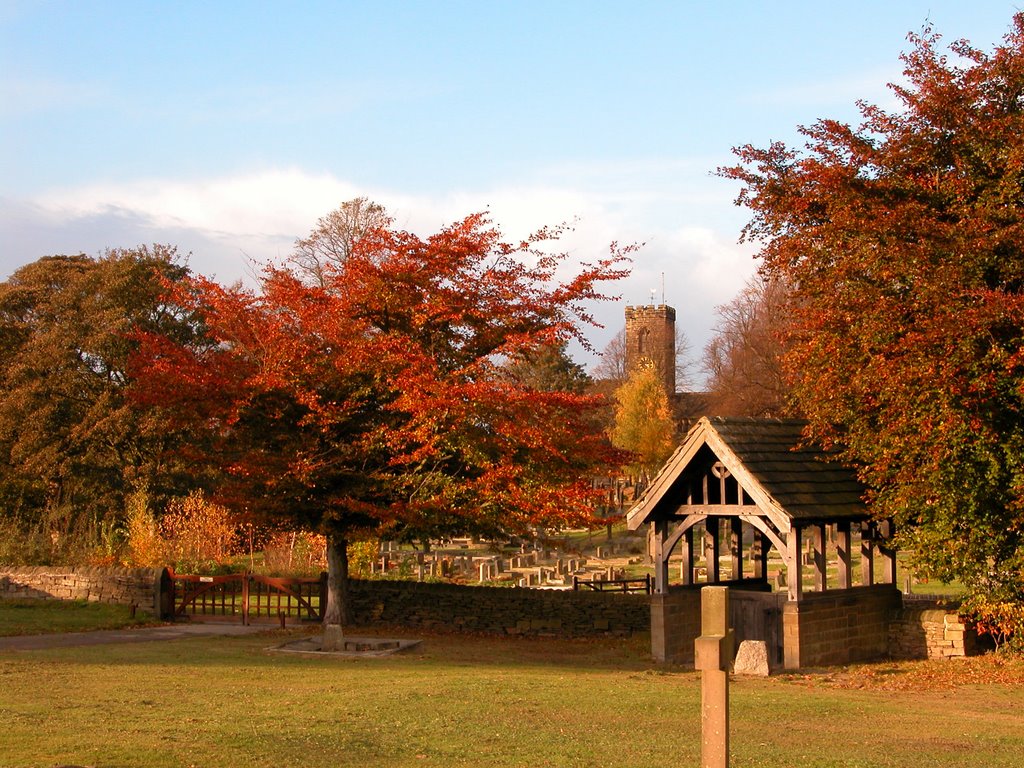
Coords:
903,239
71,445
643,420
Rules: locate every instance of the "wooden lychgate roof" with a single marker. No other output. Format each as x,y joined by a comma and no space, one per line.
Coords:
787,479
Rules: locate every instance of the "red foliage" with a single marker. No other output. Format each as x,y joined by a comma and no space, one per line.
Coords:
903,239
376,400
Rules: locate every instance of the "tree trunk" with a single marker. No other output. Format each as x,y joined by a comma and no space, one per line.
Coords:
338,612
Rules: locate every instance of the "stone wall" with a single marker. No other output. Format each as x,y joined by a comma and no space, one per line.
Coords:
839,626
498,610
675,624
923,630
122,586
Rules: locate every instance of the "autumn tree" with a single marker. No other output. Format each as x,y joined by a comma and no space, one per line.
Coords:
548,368
71,445
643,420
332,240
743,360
903,240
378,402
612,366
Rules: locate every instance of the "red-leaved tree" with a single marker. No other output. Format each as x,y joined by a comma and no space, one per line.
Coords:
902,239
377,401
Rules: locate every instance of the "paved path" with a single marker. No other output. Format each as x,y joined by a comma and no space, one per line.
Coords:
137,635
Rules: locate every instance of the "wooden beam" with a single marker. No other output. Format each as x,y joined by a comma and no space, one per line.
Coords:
717,510
867,554
794,566
820,571
712,549
845,577
686,568
660,557
759,554
736,547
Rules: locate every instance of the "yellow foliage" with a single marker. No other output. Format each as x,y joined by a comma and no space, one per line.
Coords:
197,533
643,420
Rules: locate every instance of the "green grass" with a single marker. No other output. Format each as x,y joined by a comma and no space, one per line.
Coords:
34,617
469,701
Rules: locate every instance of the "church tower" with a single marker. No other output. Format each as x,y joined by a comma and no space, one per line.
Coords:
651,340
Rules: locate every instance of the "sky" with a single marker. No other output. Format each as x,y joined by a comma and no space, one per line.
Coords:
229,128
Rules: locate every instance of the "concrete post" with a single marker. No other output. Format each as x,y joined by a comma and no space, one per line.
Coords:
713,653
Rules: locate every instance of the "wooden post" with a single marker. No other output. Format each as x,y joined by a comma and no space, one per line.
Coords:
885,535
712,549
794,565
867,555
245,598
660,557
820,571
686,567
843,555
759,554
713,654
736,547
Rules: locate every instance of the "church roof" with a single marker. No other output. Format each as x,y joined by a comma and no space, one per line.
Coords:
787,478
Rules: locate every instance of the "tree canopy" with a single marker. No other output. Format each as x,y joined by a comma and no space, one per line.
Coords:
903,240
71,444
378,400
743,360
643,423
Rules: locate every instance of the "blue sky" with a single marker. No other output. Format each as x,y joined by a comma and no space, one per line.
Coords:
230,128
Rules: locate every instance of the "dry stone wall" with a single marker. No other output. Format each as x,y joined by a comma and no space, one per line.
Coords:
925,630
121,586
499,610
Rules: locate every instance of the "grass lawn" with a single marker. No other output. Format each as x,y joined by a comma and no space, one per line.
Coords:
34,617
461,700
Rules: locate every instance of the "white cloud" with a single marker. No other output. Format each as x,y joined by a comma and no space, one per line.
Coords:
231,224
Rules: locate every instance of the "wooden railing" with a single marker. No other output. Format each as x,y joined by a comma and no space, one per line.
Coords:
247,596
614,585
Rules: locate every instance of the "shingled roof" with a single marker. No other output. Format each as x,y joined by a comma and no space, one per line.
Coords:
772,463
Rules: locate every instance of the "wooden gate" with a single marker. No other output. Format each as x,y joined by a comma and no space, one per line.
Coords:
758,616
247,596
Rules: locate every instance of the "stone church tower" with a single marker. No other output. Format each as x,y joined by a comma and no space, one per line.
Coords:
651,339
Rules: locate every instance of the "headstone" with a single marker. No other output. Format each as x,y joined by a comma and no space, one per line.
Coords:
752,659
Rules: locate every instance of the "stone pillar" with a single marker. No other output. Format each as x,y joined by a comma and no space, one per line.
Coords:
713,654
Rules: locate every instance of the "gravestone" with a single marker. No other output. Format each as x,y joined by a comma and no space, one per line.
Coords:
752,659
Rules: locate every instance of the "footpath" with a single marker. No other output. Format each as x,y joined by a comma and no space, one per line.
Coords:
131,635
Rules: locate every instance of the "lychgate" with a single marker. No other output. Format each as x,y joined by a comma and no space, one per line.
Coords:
734,491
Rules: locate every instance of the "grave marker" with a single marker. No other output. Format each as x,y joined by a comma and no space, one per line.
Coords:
713,657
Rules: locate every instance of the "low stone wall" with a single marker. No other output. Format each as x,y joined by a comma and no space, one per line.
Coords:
839,627
923,630
675,624
122,586
499,610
